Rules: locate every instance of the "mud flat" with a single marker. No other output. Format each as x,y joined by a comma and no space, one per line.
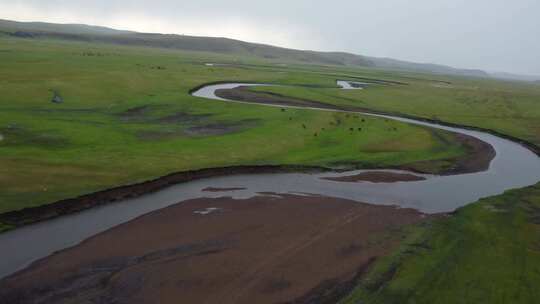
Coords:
377,177
217,189
266,249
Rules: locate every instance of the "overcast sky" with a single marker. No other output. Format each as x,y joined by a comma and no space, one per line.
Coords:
494,35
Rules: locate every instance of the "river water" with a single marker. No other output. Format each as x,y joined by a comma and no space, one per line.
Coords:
514,166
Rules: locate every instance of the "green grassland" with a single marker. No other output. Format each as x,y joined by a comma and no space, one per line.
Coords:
489,252
127,116
511,108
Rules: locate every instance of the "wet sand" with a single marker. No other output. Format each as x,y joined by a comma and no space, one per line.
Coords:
267,249
377,177
216,189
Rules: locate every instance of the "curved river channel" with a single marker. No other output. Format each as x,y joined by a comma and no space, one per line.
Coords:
514,166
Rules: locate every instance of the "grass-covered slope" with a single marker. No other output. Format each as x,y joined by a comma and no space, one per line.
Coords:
487,252
126,116
95,34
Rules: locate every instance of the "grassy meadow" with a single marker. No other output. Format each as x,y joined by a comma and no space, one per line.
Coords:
126,117
511,108
489,252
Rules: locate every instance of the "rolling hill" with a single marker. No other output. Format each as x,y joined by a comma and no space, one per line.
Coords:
88,33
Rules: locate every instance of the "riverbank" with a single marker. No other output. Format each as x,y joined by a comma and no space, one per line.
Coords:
27,216
477,159
266,249
245,94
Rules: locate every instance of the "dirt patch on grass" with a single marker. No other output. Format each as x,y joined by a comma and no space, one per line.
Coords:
135,114
18,135
183,118
377,177
150,135
267,249
189,124
214,129
222,128
149,113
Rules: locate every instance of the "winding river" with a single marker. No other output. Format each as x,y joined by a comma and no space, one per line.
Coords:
514,166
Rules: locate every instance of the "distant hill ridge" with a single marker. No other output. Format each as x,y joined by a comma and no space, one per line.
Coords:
88,33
